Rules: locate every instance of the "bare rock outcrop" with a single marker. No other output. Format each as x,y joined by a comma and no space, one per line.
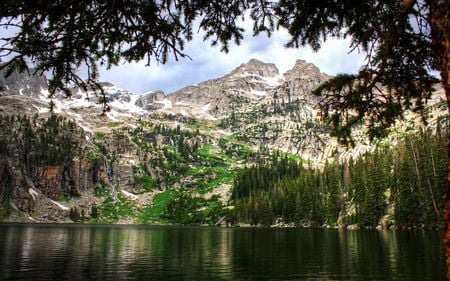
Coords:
25,83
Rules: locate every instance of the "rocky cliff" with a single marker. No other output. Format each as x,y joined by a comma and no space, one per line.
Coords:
149,151
17,83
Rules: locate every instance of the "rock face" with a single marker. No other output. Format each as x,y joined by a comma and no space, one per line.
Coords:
147,101
147,144
301,80
48,179
219,97
250,85
256,67
22,83
10,104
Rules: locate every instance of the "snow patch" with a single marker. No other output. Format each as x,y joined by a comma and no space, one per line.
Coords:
274,80
271,81
258,93
224,133
204,108
133,126
43,94
130,195
247,74
182,104
34,194
31,219
167,103
41,109
111,116
203,112
80,121
129,106
59,205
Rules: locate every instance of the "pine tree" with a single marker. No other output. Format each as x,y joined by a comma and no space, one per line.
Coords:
333,193
289,209
407,200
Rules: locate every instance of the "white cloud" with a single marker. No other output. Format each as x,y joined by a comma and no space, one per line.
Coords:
208,62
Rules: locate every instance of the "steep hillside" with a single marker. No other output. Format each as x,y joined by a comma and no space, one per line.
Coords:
164,158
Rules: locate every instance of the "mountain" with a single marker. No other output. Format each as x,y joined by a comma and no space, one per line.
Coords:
281,103
20,84
151,153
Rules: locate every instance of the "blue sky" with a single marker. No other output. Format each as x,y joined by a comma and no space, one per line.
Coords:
208,62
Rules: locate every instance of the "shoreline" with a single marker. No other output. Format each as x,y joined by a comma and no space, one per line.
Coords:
237,226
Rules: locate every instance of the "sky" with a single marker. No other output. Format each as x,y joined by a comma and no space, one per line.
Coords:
208,62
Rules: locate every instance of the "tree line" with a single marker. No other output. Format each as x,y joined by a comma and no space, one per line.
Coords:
403,186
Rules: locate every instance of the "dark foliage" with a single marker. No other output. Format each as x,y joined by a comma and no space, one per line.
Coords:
404,186
61,36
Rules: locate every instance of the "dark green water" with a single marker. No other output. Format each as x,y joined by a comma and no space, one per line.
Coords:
72,252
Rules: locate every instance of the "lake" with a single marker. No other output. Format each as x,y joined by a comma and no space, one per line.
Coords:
97,252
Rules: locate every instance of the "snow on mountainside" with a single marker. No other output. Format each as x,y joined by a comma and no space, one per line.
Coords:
249,82
148,148
252,82
254,102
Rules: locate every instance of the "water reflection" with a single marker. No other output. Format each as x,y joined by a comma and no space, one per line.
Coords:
175,253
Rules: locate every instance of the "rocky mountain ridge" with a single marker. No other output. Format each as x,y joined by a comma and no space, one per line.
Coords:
253,102
76,164
253,89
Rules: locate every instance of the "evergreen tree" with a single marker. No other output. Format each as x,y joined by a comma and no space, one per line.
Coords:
289,208
332,184
399,51
403,40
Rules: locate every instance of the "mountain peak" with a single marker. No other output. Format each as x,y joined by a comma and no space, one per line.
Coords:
255,62
305,66
256,67
303,69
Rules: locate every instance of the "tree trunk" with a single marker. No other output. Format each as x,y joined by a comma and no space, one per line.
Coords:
440,34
